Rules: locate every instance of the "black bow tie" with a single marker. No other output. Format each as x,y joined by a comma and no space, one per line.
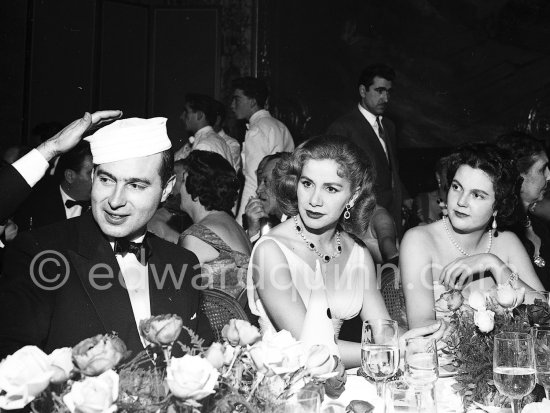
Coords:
69,203
140,250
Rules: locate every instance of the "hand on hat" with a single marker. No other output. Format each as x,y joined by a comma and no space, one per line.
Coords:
72,133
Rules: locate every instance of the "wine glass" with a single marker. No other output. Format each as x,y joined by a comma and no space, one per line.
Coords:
541,337
421,365
514,366
380,351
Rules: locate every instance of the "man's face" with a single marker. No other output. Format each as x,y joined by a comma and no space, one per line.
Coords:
242,105
189,119
126,194
265,191
81,184
376,97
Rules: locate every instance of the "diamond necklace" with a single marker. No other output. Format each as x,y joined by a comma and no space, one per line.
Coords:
457,245
325,257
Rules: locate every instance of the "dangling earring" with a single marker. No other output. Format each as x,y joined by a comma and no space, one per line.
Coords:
494,225
346,212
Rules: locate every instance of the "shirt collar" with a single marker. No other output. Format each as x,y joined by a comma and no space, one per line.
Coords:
65,196
368,116
203,131
262,113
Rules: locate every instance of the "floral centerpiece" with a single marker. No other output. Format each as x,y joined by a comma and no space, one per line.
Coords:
473,325
243,373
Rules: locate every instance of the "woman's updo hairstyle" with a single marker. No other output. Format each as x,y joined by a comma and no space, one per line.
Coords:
496,163
212,180
354,165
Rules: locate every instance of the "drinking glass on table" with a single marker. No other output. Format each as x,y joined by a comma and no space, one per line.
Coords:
380,351
421,366
402,397
541,338
514,366
531,296
304,401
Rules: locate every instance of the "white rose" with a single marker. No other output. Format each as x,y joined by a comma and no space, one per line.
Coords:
477,300
319,360
191,377
279,353
485,320
506,295
94,394
539,407
215,355
23,376
61,361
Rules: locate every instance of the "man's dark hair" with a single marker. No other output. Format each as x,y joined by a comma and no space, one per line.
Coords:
221,110
72,159
253,88
166,170
203,103
377,69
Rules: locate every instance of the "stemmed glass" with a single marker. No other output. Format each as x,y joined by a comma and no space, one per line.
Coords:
380,351
531,296
514,366
541,337
421,366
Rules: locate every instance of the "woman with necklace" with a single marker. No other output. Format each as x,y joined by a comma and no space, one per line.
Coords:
465,250
309,274
531,162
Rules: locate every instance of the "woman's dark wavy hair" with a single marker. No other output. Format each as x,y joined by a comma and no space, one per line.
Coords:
212,180
496,163
354,165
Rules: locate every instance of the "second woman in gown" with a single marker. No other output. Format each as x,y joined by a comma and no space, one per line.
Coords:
463,250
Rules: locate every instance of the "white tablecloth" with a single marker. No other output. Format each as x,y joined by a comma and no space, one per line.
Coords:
358,388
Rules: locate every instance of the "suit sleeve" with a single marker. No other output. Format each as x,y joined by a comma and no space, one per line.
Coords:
25,305
15,189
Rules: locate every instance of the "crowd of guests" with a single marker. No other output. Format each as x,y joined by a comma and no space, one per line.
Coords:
299,233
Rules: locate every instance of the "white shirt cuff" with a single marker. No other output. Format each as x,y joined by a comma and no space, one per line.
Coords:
32,167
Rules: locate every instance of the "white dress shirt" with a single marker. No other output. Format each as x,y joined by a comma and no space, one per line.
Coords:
32,167
234,147
136,279
265,136
206,139
372,121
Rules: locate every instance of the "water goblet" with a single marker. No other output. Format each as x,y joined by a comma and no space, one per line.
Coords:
421,365
541,337
380,351
514,366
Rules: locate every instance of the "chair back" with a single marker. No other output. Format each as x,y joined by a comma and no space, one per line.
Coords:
392,292
219,308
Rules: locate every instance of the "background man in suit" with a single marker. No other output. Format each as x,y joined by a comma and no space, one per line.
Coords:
64,195
375,134
102,271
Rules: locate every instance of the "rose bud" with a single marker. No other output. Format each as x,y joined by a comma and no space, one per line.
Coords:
61,361
191,377
94,394
23,376
508,297
449,301
230,333
485,320
319,360
98,354
494,306
477,300
215,355
228,355
257,354
248,334
162,330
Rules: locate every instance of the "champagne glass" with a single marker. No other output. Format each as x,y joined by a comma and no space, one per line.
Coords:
531,296
541,337
514,366
380,351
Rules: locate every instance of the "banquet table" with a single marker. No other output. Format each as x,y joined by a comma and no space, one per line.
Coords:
358,388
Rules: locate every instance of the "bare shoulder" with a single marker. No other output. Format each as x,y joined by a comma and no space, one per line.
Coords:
422,236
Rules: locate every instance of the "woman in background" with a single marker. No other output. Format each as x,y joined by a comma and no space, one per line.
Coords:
208,188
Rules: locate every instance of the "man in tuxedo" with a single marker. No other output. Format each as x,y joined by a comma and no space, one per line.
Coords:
375,134
102,271
64,195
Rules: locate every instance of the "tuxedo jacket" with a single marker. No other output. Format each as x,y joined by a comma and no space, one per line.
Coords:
44,206
388,187
14,191
89,296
